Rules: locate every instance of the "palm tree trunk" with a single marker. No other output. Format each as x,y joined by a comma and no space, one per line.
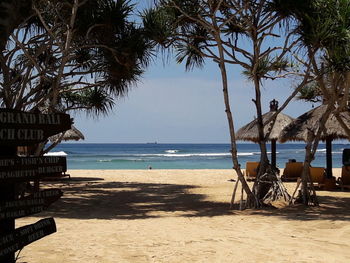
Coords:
262,142
251,200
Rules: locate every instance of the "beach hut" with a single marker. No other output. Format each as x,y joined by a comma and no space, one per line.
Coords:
309,122
250,132
72,134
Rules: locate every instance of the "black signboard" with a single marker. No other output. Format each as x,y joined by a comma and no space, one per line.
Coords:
32,204
31,168
18,128
26,128
25,235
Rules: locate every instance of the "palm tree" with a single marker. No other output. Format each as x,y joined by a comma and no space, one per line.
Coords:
183,25
67,48
324,29
73,57
214,30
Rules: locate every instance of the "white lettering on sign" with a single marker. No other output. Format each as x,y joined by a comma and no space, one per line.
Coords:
36,236
52,159
49,119
7,134
17,174
13,214
39,160
28,161
29,118
22,134
51,169
6,239
9,249
29,135
20,203
7,162
17,118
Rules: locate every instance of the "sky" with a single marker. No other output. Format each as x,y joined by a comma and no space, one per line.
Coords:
170,105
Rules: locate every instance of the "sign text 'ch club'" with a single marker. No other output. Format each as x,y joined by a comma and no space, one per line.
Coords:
26,128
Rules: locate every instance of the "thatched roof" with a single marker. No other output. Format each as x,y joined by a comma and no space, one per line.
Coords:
71,135
249,132
309,122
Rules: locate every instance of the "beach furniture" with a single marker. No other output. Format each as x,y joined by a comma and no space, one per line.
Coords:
346,157
317,175
251,170
344,179
292,171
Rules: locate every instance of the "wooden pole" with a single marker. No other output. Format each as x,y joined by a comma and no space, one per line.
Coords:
329,157
7,193
273,153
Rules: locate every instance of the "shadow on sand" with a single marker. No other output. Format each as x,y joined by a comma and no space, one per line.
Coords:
92,198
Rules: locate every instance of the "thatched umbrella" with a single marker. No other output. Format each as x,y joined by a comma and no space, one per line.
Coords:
250,131
309,122
70,135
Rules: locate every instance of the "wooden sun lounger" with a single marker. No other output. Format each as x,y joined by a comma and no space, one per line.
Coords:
292,171
344,179
317,175
251,170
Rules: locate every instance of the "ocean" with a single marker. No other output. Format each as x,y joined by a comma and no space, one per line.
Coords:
182,156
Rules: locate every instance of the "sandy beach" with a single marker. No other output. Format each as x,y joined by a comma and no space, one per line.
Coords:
183,216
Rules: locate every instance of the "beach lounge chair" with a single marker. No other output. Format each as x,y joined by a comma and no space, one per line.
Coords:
292,171
317,175
344,179
251,170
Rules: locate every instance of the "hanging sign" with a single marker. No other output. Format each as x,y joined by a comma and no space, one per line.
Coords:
31,168
26,128
32,204
25,235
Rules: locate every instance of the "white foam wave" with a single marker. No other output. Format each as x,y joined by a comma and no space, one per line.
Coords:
197,154
61,153
171,151
322,150
185,154
104,161
245,154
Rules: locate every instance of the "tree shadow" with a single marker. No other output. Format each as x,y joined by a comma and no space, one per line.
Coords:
129,200
331,208
92,198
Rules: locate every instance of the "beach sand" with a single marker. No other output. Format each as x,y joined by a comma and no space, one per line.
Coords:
182,216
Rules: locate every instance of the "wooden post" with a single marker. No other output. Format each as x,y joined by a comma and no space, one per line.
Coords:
273,153
7,193
329,157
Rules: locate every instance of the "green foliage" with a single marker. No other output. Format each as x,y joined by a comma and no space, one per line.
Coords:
323,25
94,101
268,65
107,54
159,24
310,93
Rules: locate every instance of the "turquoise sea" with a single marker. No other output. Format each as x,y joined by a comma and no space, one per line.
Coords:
181,156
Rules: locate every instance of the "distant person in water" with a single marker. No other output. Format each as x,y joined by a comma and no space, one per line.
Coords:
150,167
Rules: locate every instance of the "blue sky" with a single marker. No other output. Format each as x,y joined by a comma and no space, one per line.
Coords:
174,106
170,105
